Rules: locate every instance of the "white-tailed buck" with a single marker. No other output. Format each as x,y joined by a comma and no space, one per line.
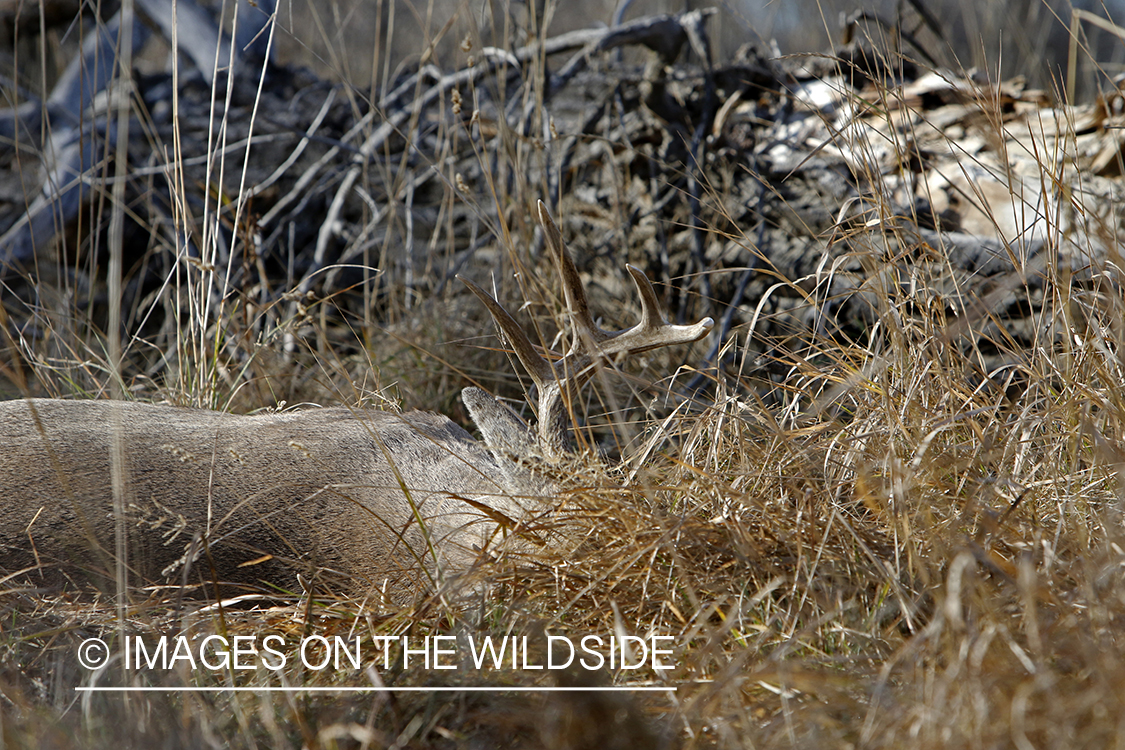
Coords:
395,503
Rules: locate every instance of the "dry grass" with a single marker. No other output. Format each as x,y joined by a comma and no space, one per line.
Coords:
887,550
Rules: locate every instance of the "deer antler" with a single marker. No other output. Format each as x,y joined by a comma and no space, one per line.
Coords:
590,344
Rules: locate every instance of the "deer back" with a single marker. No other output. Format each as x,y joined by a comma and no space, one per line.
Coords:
376,496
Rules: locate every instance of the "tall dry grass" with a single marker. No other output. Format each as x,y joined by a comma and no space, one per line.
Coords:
893,548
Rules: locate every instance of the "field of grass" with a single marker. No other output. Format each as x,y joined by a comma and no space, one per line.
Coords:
905,531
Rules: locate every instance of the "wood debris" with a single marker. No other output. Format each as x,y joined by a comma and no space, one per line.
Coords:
774,192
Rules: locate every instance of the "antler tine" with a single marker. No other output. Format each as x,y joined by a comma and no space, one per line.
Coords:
537,367
591,342
549,405
653,331
572,282
651,318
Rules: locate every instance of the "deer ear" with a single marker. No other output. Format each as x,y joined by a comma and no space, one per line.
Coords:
507,436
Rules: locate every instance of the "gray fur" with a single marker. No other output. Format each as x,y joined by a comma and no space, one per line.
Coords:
330,489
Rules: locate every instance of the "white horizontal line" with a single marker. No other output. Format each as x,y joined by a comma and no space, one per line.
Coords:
403,689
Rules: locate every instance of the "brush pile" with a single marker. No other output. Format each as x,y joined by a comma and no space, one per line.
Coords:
785,197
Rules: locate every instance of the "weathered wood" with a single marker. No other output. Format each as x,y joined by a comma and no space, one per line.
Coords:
774,193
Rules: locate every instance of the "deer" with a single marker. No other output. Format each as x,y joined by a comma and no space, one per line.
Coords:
392,503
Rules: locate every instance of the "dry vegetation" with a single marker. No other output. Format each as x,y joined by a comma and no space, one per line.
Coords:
901,530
